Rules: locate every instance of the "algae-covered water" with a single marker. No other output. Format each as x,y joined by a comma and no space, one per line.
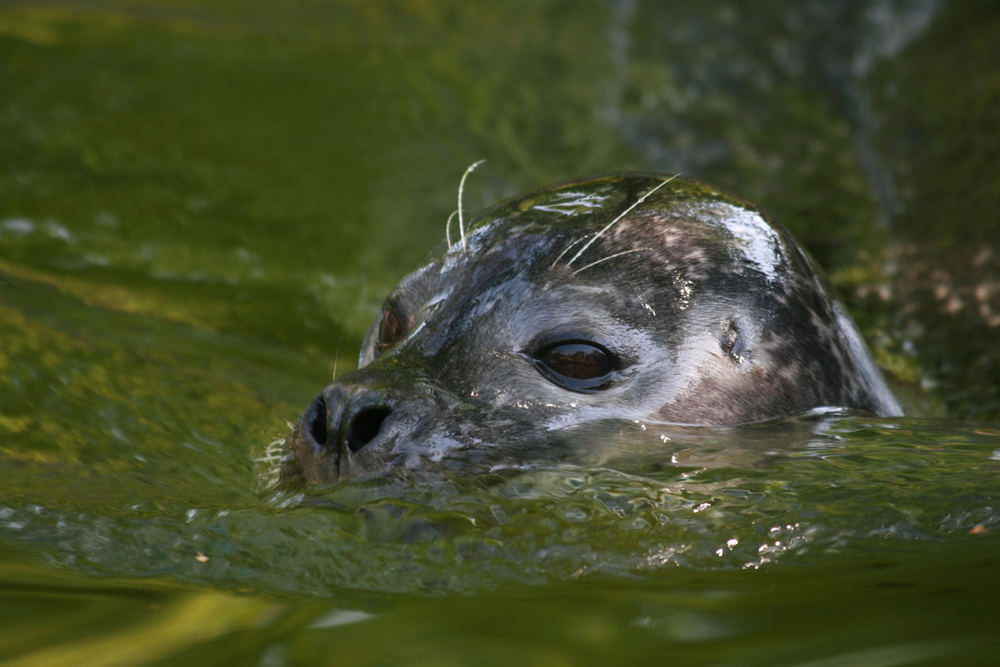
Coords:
202,205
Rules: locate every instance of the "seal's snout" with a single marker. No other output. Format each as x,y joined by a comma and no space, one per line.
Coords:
345,432
337,420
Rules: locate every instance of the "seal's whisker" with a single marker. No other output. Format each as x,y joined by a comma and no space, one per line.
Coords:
447,227
619,217
461,188
604,259
272,452
336,358
269,462
566,250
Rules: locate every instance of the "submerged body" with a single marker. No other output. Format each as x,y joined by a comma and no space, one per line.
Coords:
616,298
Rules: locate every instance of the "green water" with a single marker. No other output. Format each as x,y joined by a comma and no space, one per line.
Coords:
203,204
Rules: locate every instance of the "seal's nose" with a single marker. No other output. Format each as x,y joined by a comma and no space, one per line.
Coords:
315,421
362,425
354,420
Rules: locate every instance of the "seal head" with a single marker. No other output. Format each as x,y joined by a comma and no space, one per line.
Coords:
626,297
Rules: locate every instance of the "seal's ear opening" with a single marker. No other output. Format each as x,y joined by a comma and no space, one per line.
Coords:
734,343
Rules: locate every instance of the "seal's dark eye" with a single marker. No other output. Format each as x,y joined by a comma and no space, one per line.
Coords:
576,365
391,329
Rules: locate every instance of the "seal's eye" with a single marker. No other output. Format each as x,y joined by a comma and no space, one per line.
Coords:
391,329
576,365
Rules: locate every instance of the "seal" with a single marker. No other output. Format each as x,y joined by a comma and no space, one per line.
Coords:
621,298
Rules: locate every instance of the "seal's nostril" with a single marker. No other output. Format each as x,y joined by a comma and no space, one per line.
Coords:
365,426
316,420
